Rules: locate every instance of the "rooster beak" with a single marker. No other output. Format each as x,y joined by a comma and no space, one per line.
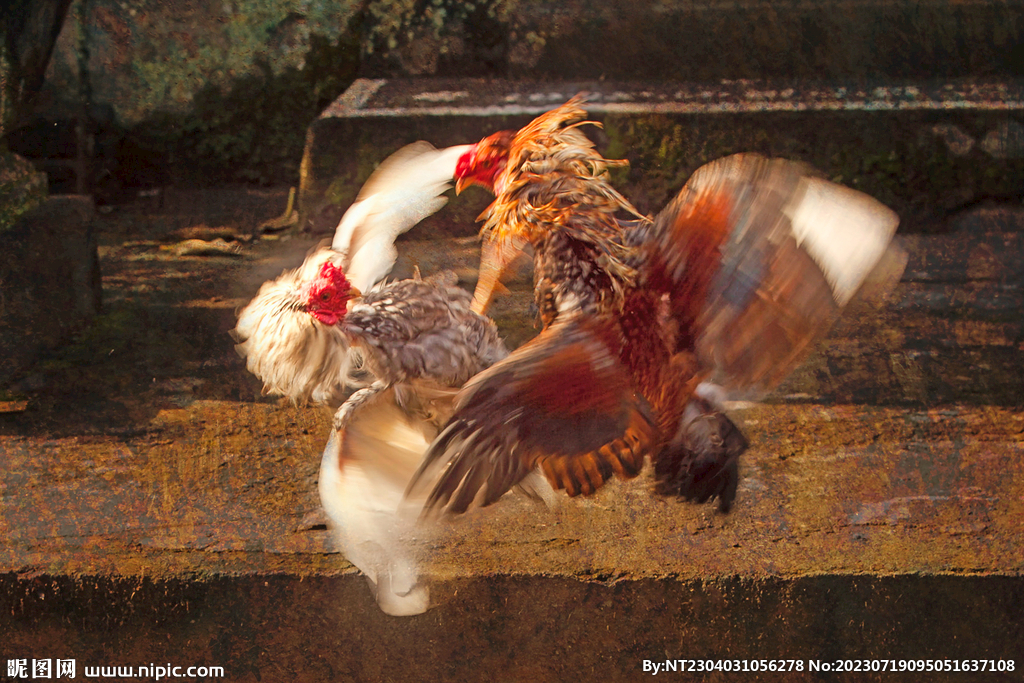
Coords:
354,293
461,184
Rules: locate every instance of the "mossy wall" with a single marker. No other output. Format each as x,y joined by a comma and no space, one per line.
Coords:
924,164
904,159
200,92
157,55
212,91
22,188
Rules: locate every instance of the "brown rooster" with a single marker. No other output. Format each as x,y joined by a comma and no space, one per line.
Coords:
731,283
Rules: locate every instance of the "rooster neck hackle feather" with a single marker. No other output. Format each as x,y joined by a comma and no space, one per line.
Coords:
555,179
294,355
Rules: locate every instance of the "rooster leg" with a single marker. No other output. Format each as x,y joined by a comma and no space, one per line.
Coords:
495,257
355,401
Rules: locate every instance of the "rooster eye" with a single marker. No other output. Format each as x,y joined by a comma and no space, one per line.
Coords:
325,296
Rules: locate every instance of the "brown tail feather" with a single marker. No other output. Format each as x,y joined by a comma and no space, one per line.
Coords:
701,463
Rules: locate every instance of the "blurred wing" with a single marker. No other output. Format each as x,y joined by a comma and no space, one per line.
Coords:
405,189
292,354
387,436
760,257
562,403
363,476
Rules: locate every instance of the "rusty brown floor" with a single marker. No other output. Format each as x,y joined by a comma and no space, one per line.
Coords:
148,473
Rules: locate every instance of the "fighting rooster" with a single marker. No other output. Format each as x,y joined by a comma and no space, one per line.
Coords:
333,325
730,283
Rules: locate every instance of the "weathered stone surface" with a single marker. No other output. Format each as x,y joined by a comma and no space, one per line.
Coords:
150,493
880,140
826,488
49,280
1006,141
958,142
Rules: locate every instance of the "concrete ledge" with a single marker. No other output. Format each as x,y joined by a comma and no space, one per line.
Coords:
925,149
826,489
859,533
377,98
288,628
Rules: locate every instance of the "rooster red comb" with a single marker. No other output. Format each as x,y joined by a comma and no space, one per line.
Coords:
328,295
465,163
332,274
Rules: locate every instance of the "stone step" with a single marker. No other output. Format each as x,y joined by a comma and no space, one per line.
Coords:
927,149
859,532
380,97
302,629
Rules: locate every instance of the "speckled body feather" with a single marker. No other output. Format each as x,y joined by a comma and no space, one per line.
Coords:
422,329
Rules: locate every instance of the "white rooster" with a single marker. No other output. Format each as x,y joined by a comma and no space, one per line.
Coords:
318,331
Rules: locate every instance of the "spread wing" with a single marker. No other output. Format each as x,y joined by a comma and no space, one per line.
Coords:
363,474
405,189
562,403
759,257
